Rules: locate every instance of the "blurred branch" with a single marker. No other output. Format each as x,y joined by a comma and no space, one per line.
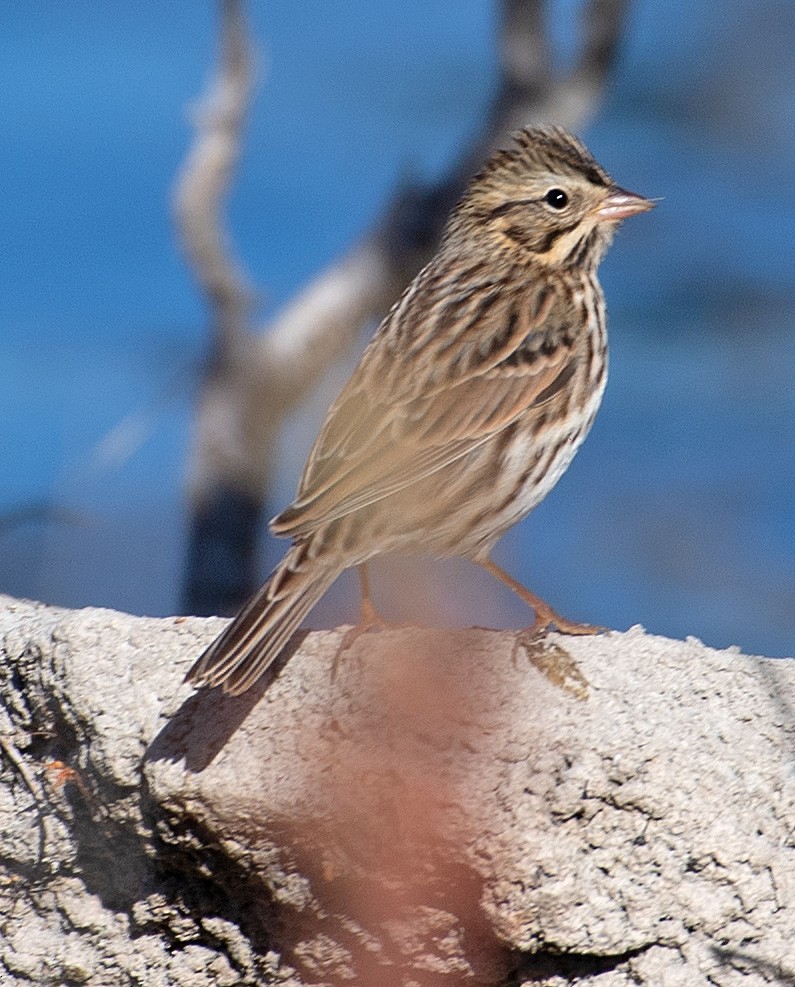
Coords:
41,512
202,187
256,378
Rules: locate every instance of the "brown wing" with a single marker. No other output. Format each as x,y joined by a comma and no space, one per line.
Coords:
397,422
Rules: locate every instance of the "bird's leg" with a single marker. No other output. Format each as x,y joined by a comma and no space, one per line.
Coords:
548,657
369,618
545,616
368,615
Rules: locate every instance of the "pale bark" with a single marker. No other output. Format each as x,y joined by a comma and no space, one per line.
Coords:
440,812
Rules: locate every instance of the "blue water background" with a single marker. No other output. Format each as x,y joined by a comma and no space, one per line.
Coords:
679,511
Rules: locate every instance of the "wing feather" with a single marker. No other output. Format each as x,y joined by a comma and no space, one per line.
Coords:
392,425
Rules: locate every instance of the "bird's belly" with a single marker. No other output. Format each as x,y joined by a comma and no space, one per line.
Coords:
527,471
464,508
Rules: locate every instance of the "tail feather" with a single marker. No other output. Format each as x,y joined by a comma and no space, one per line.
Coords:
253,641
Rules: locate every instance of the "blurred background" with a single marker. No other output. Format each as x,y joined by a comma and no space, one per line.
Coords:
678,512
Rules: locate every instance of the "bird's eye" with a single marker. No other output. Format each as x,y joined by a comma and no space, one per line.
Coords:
556,198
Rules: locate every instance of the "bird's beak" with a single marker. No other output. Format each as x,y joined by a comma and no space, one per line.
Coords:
620,204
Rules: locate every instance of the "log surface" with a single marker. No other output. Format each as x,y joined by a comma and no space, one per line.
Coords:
448,807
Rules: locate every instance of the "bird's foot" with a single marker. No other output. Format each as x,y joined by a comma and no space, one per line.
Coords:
546,617
370,620
351,636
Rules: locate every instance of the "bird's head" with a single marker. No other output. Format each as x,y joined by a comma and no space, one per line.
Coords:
545,200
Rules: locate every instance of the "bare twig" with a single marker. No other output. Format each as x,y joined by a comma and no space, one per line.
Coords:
202,186
257,378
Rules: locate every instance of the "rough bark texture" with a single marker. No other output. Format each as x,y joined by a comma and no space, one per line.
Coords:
438,812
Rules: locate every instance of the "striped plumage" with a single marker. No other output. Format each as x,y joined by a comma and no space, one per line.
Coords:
469,403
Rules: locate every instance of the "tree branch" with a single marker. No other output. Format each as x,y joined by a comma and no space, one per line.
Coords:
437,813
203,184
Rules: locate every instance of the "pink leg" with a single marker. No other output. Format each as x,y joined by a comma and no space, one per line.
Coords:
545,616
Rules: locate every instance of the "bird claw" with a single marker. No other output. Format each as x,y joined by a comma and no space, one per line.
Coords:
372,621
546,618
351,636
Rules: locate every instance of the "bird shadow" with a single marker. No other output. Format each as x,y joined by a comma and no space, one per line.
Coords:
208,719
731,957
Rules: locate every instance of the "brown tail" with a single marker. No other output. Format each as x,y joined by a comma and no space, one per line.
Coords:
257,635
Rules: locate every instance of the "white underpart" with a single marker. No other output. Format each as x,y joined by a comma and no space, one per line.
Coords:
567,437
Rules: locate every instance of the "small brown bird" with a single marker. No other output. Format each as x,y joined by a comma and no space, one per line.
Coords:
468,404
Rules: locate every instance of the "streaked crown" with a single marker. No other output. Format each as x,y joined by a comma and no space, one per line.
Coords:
545,200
